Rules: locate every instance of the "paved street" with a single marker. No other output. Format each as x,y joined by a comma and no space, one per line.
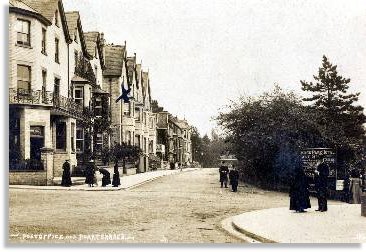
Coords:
187,207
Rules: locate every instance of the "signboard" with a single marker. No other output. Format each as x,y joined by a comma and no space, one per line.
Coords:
36,131
339,185
312,156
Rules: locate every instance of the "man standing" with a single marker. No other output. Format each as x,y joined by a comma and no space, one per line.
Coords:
321,185
223,170
234,179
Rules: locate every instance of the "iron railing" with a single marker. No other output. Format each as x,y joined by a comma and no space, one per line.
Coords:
41,97
32,97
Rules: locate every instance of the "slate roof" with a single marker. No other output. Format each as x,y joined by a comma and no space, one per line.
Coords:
91,39
21,5
144,82
131,68
114,55
72,20
46,8
138,75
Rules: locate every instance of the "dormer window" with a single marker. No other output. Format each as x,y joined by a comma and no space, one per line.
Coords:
56,18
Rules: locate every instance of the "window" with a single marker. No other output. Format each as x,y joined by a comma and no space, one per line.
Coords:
79,95
99,142
127,108
57,56
96,71
56,88
128,137
72,137
61,136
76,35
56,18
79,139
76,55
96,52
43,40
23,32
24,78
137,114
137,140
98,107
44,84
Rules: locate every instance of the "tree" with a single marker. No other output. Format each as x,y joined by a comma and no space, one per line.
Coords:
341,120
267,133
196,145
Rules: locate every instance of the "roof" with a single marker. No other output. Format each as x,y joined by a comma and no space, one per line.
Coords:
46,8
144,82
79,79
114,55
138,75
91,39
131,63
21,5
43,10
72,20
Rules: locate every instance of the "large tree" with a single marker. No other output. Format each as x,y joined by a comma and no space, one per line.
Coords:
267,133
340,118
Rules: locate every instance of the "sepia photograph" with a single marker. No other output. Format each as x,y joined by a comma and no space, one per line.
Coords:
184,122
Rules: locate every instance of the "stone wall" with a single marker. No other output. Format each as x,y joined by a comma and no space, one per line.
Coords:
27,178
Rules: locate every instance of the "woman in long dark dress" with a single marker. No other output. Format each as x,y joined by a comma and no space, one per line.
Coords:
66,176
299,193
116,180
106,180
90,174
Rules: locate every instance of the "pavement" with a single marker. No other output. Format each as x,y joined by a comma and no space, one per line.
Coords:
127,182
342,223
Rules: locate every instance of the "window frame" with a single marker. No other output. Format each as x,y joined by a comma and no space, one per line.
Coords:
28,42
76,99
79,140
28,89
44,41
57,50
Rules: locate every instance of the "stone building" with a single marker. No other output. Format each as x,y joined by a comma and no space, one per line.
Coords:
42,112
55,94
173,137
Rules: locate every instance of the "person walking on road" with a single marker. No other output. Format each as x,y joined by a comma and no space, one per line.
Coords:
234,179
299,193
321,185
66,176
223,170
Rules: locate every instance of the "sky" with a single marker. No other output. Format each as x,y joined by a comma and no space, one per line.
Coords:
202,54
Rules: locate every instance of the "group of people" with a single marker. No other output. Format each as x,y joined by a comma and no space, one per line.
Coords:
299,189
90,177
233,176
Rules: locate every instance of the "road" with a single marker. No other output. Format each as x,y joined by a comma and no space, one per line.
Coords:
183,208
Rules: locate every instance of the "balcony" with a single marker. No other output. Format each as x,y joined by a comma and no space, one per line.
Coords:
30,97
60,105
